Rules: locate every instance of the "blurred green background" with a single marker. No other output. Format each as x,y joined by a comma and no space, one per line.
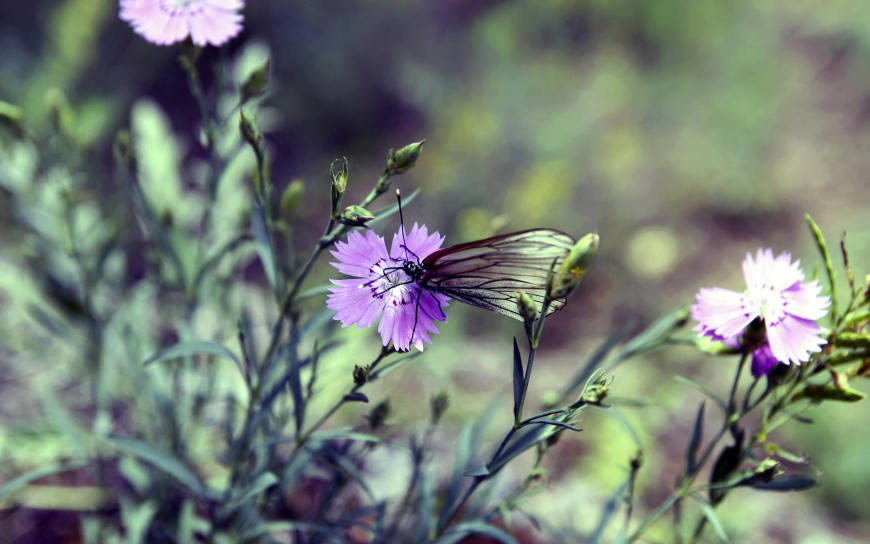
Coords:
685,133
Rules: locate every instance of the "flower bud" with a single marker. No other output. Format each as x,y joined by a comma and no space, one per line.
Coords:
596,392
574,267
360,374
355,216
291,199
754,335
257,82
400,161
526,307
339,184
249,131
439,405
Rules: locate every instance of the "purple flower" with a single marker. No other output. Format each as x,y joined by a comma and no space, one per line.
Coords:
381,288
776,293
164,22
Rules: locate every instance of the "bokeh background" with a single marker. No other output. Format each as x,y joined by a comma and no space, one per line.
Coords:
685,133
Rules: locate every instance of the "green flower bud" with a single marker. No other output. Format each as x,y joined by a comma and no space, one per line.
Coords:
291,199
526,306
249,131
339,184
839,390
574,267
400,161
356,216
257,82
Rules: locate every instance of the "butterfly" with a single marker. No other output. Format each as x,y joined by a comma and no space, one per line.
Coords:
489,273
410,284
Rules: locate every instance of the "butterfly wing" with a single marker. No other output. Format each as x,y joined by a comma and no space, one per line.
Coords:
488,273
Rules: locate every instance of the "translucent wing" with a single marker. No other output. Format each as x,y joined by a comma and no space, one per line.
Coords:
489,272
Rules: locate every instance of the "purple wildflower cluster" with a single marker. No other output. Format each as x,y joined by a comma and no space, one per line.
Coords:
381,288
777,294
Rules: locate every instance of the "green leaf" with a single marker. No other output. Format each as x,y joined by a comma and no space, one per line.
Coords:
711,516
792,483
392,365
518,379
471,528
829,264
136,518
703,389
194,347
355,397
386,212
266,250
656,334
21,481
695,440
260,484
161,460
852,340
464,446
313,292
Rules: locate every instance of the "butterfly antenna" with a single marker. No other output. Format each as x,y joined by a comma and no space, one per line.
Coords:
402,225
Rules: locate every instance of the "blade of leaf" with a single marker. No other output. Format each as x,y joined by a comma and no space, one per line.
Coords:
711,516
829,264
518,379
266,250
22,480
654,335
695,440
792,483
703,389
195,347
390,210
161,460
471,528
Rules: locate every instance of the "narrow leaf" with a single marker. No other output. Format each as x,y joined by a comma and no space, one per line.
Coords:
792,483
695,440
355,397
470,528
22,480
703,389
518,379
161,460
266,249
555,423
392,365
655,335
829,265
194,347
479,470
711,516
386,212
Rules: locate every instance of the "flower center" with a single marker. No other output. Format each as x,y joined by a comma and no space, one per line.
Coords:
769,302
391,283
